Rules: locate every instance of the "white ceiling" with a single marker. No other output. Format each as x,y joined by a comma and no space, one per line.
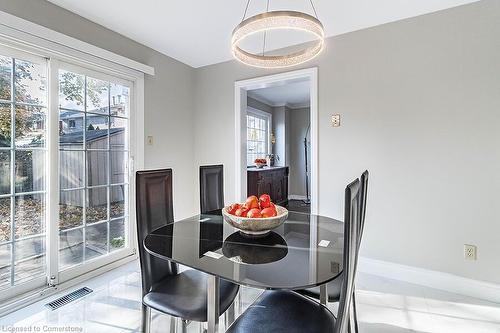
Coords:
198,32
294,95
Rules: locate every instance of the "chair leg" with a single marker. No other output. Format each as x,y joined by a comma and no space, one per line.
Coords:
240,302
146,319
229,315
173,324
354,312
184,326
353,319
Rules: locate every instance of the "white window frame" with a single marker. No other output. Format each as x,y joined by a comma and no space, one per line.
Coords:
269,119
28,37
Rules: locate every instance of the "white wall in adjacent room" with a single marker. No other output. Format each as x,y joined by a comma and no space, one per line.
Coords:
299,122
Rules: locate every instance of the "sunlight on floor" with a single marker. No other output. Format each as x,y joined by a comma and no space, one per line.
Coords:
384,306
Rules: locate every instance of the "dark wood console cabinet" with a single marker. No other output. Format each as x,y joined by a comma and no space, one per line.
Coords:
273,181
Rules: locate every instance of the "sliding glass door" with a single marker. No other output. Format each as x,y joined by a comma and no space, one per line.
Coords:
86,178
23,110
93,155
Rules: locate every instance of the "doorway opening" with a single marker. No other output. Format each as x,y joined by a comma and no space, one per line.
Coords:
276,138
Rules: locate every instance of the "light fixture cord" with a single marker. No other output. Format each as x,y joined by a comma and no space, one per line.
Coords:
265,32
245,13
314,9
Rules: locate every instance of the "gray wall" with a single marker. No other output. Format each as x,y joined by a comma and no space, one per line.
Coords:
420,102
168,94
299,121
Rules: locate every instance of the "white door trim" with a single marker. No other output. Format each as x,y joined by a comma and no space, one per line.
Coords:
240,96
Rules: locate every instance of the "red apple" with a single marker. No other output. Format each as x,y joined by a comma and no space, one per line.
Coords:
242,211
252,202
269,212
254,213
233,208
265,201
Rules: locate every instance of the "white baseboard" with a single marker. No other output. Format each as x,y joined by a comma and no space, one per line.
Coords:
296,197
432,279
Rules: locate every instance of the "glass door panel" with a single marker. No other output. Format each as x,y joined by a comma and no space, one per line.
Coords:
23,154
93,173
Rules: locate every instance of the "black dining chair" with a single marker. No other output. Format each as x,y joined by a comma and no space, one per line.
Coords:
290,312
164,287
212,201
333,288
211,188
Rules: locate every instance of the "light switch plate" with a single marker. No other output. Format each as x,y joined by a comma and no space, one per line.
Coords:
150,140
336,120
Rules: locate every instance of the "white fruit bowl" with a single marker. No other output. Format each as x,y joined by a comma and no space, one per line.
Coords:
255,227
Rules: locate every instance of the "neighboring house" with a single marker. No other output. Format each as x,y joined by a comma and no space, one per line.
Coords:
72,121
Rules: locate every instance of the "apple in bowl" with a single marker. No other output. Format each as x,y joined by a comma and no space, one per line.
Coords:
255,217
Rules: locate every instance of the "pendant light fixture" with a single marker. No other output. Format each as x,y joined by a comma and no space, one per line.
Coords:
285,20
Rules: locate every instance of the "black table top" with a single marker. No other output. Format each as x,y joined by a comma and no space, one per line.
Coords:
294,256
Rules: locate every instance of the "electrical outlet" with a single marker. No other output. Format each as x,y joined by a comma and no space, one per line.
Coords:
336,120
150,140
470,252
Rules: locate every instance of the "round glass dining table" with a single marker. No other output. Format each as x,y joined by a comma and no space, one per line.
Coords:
305,251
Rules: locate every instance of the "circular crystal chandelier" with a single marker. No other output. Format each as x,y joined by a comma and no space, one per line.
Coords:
274,20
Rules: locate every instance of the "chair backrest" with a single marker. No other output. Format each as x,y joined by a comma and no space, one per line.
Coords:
154,209
362,206
352,220
211,188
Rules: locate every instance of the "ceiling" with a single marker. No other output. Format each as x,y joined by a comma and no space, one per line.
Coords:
198,32
294,95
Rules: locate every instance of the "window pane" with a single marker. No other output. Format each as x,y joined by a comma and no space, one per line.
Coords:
118,167
29,247
5,261
97,168
5,125
118,133
5,225
117,200
97,131
70,209
119,100
71,90
30,82
97,96
97,204
70,248
30,170
5,172
116,234
96,240
71,168
30,268
5,77
30,126
29,215
29,259
71,129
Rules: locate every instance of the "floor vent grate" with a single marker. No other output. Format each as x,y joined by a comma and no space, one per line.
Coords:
73,296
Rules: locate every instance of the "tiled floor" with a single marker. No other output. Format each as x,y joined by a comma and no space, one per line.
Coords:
385,306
